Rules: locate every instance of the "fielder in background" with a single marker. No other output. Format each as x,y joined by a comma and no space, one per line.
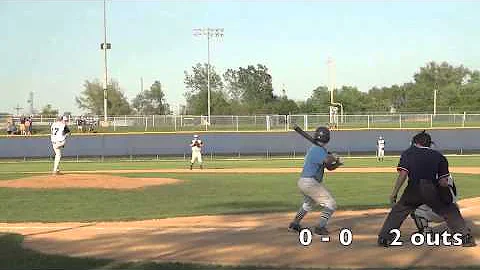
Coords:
380,148
424,214
311,183
196,145
58,136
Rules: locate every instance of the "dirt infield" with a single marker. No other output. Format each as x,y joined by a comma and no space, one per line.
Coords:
86,181
260,239
101,179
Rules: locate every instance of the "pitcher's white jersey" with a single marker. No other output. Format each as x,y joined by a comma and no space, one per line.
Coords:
196,145
57,132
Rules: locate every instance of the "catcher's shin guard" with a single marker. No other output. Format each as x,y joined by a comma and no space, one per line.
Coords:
420,222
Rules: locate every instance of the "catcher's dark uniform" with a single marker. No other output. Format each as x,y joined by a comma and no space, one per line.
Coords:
425,167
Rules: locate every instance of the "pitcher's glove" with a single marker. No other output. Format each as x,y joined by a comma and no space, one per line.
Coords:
333,161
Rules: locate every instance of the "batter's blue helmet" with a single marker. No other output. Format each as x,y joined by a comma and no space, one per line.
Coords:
322,135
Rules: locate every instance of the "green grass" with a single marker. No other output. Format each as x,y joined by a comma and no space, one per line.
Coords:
199,195
257,162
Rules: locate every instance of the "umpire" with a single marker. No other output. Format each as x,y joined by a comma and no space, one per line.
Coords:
427,172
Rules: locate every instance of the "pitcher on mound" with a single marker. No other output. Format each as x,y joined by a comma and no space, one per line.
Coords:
196,145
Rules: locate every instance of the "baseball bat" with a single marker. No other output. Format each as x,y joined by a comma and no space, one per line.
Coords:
307,136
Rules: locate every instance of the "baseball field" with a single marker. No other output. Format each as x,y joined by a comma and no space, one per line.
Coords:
232,215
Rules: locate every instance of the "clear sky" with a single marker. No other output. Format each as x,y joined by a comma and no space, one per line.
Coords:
52,47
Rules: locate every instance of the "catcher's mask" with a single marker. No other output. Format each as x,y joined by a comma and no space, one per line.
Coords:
423,139
322,135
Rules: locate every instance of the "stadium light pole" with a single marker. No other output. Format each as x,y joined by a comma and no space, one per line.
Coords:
105,46
209,33
435,91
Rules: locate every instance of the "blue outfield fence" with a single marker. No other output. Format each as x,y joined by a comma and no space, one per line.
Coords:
231,143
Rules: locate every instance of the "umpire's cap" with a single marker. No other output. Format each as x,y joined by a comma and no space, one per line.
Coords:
322,135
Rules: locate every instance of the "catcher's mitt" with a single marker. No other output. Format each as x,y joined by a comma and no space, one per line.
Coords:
333,161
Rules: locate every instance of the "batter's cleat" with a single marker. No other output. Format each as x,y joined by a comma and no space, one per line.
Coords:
322,231
468,241
294,227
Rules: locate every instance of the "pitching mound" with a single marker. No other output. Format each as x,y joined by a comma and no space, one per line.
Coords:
257,239
86,181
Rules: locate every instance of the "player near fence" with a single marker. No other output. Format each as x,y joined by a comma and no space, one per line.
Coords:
196,146
311,183
58,136
380,148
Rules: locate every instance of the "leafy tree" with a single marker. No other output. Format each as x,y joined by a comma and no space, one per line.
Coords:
91,99
469,98
284,105
48,110
197,103
318,102
151,101
353,100
248,90
251,86
443,77
233,87
197,91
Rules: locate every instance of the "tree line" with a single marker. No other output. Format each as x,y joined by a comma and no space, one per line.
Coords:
248,90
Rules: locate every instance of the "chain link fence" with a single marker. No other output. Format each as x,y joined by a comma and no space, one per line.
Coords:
175,123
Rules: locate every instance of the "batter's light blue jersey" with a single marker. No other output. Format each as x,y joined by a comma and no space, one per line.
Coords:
313,166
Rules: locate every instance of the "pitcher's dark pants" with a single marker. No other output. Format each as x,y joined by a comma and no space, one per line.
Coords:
424,192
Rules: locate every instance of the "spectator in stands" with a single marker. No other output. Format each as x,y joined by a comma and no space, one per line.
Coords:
79,122
28,126
22,125
10,128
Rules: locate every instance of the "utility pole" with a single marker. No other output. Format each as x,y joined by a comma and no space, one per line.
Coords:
18,108
209,32
30,101
105,46
435,90
331,77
